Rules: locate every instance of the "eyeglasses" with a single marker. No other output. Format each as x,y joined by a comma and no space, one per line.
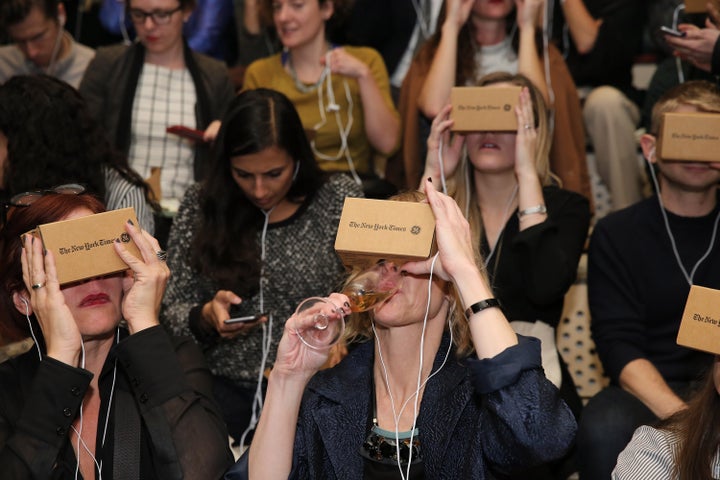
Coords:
26,199
159,17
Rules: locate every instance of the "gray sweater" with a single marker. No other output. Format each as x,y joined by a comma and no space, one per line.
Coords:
300,262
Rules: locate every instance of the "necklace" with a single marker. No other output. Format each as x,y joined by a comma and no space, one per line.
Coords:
302,87
390,447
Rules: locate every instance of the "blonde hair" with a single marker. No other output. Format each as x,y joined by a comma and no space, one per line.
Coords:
461,186
701,94
358,327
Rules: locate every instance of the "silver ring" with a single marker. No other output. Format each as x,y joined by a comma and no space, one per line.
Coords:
528,126
38,285
162,255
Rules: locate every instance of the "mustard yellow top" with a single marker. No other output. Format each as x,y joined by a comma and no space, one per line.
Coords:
270,73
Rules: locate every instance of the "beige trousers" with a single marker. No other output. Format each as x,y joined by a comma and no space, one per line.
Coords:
610,119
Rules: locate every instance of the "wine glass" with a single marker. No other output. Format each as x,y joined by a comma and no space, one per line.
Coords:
370,288
319,323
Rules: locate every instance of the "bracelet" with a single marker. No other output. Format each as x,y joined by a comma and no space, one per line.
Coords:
532,211
480,306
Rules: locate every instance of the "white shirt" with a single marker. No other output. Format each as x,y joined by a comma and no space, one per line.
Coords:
164,97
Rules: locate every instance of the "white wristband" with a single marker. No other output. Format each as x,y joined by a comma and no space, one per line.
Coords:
537,209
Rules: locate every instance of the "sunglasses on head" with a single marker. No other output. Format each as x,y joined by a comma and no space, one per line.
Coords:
25,199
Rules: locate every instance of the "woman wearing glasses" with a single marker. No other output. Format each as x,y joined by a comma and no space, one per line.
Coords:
94,399
137,91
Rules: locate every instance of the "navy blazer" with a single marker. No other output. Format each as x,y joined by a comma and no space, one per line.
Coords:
476,417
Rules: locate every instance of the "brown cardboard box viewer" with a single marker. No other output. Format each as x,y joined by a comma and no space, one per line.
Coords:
373,230
692,137
83,247
482,109
700,325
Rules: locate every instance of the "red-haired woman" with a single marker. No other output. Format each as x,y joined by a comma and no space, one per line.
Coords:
95,399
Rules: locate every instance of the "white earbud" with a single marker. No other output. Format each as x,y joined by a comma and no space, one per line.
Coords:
27,305
651,153
61,20
332,106
297,169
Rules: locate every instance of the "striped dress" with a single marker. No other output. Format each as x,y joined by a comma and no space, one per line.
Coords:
650,456
120,193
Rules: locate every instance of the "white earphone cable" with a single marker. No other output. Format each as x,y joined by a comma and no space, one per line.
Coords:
266,337
32,333
332,106
688,276
80,441
420,385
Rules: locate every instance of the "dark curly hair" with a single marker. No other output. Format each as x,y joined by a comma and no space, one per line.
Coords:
48,208
52,139
225,247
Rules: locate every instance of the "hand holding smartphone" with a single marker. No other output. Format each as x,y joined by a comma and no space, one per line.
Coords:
672,31
246,319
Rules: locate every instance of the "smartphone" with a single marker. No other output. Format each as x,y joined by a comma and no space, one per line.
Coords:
249,318
672,31
186,132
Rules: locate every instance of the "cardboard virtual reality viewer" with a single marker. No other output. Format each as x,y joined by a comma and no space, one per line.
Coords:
693,137
699,6
490,108
373,230
83,247
700,325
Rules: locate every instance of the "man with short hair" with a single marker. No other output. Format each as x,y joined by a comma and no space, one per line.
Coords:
641,263
40,43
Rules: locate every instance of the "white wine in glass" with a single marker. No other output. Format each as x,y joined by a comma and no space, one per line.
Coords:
320,324
370,288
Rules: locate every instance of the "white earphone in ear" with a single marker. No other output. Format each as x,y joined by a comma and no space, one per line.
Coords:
61,20
27,305
651,153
